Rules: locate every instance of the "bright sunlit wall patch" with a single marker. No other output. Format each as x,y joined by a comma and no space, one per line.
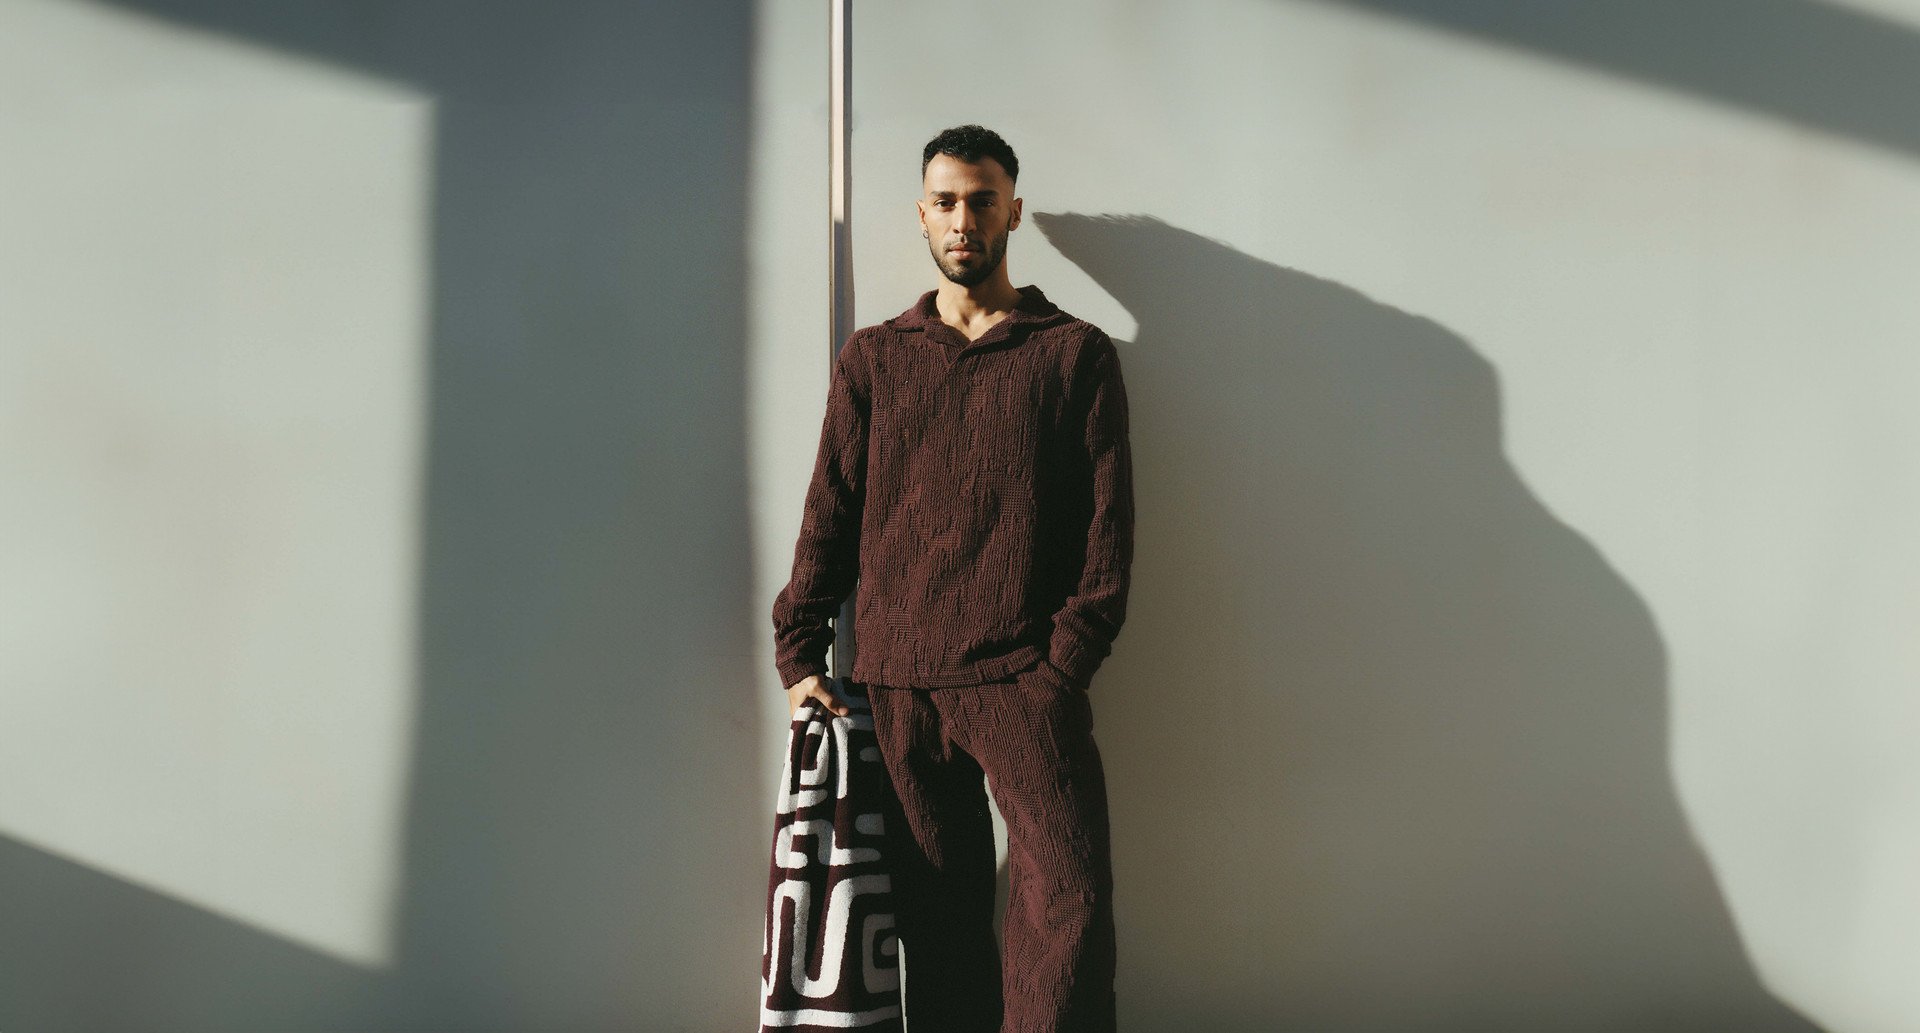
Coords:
214,282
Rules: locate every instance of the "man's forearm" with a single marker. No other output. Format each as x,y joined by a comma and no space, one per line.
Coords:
803,629
1086,625
826,557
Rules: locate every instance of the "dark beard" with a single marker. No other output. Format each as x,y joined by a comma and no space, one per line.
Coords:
968,276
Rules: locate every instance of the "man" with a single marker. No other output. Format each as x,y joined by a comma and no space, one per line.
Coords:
974,474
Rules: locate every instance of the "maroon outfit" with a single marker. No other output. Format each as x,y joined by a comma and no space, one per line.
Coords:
1033,741
981,492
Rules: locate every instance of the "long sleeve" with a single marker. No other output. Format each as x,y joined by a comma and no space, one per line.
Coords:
826,558
1089,621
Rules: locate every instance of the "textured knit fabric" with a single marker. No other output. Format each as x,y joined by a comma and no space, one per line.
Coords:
1033,741
829,958
981,494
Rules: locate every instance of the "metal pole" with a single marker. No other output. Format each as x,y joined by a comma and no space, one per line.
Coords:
840,285
840,271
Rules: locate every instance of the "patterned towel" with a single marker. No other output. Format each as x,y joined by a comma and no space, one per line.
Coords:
829,956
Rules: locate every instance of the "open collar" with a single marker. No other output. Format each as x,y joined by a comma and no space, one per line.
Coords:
1034,310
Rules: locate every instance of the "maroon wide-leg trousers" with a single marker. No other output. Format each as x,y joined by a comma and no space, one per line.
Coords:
1033,742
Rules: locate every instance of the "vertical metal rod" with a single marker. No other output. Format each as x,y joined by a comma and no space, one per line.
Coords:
840,210
840,285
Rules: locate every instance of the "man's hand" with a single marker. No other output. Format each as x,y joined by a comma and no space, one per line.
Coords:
813,685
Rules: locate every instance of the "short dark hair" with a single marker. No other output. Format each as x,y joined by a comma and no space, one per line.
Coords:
970,143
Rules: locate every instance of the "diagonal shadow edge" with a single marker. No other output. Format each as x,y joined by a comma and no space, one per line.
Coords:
1486,800
1825,68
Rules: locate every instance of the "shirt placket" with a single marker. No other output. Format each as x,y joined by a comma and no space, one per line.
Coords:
957,347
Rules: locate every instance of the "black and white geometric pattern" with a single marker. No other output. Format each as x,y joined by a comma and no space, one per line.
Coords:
829,954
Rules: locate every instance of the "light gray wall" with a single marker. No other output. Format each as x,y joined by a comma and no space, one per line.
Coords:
406,411
375,496
1520,604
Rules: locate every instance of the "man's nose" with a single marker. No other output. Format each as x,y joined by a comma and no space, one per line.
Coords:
963,217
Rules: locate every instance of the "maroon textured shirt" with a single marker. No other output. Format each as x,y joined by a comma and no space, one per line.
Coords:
980,492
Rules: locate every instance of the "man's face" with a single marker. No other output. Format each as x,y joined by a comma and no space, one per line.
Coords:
967,211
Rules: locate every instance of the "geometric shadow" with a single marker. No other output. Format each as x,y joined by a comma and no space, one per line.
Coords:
1388,739
585,684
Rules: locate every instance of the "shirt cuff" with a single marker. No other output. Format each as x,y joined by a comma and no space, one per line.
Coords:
794,671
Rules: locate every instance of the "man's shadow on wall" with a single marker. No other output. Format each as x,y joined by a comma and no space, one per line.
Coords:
1386,740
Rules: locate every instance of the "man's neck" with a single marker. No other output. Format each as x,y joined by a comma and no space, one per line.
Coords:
973,310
